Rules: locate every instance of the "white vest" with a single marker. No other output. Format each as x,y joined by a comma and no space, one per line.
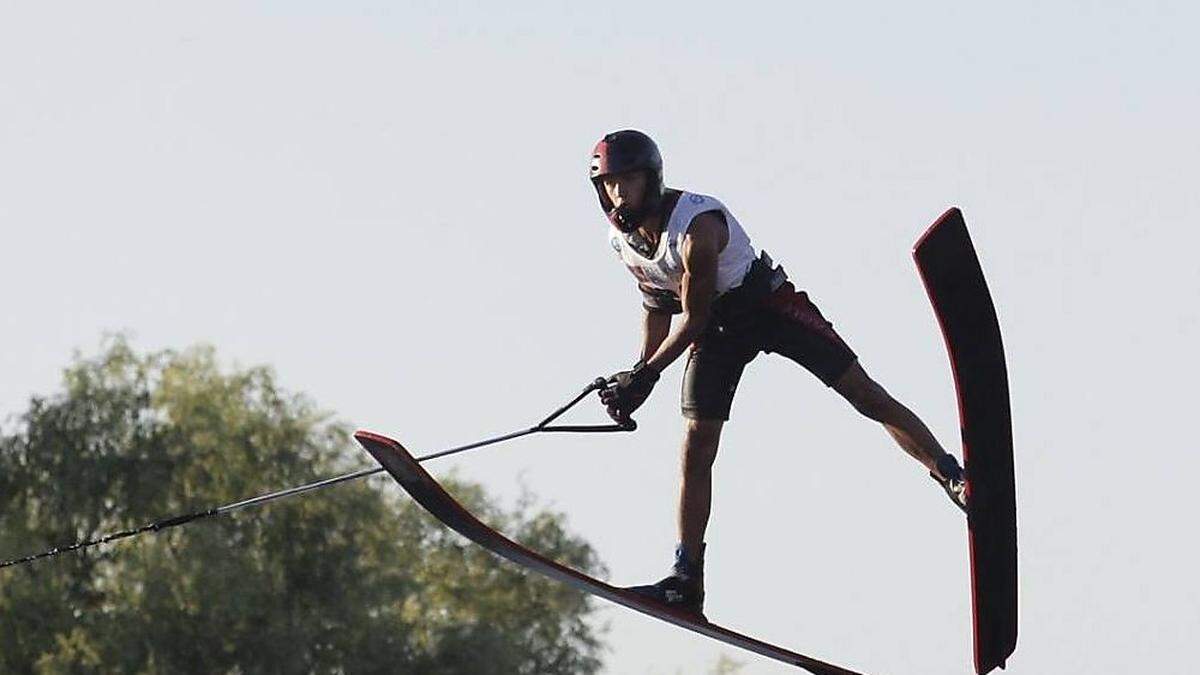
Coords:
664,271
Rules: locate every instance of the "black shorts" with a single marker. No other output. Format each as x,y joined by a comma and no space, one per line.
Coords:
786,322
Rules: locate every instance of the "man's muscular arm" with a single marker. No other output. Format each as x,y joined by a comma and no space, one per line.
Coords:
701,245
655,326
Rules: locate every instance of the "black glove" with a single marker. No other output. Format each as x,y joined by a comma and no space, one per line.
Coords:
627,390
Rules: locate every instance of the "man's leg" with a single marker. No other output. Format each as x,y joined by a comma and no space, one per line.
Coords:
700,441
870,399
714,366
800,332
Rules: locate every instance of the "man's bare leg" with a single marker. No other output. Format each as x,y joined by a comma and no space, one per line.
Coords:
684,587
700,441
911,434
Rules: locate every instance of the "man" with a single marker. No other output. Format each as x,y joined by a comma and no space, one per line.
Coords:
691,257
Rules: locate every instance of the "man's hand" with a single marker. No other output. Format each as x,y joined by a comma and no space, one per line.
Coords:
627,390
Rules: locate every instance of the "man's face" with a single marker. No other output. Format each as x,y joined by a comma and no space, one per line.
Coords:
626,189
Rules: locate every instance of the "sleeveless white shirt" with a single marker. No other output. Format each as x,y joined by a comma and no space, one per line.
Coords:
664,271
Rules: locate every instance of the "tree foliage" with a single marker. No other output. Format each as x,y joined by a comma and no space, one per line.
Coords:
354,579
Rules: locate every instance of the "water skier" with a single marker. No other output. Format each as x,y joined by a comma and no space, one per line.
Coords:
691,257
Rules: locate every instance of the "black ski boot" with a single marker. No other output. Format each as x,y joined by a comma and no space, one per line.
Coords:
955,481
683,589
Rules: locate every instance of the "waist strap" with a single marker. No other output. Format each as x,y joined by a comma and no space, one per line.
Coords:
763,278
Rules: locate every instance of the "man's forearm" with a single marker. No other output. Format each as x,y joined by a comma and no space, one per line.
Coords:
655,327
676,342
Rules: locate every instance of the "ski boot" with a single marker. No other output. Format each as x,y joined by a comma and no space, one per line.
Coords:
683,589
955,481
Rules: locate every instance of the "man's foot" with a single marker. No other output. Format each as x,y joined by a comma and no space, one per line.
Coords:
953,480
683,589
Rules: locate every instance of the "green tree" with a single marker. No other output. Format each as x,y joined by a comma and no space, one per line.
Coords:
356,579
726,666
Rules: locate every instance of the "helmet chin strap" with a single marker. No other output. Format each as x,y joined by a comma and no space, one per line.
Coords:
627,219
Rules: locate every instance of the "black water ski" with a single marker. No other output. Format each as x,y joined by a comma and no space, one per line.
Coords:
954,280
429,494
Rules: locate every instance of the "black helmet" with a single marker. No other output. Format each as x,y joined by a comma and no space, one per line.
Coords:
620,152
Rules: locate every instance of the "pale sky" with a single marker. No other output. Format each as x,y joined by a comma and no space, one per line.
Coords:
388,203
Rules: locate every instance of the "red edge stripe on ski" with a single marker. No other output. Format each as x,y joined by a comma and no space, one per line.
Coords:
429,494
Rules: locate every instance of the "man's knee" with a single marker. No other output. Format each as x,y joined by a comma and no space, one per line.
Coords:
702,432
865,394
700,441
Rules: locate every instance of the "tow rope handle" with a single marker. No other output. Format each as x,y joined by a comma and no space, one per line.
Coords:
175,521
